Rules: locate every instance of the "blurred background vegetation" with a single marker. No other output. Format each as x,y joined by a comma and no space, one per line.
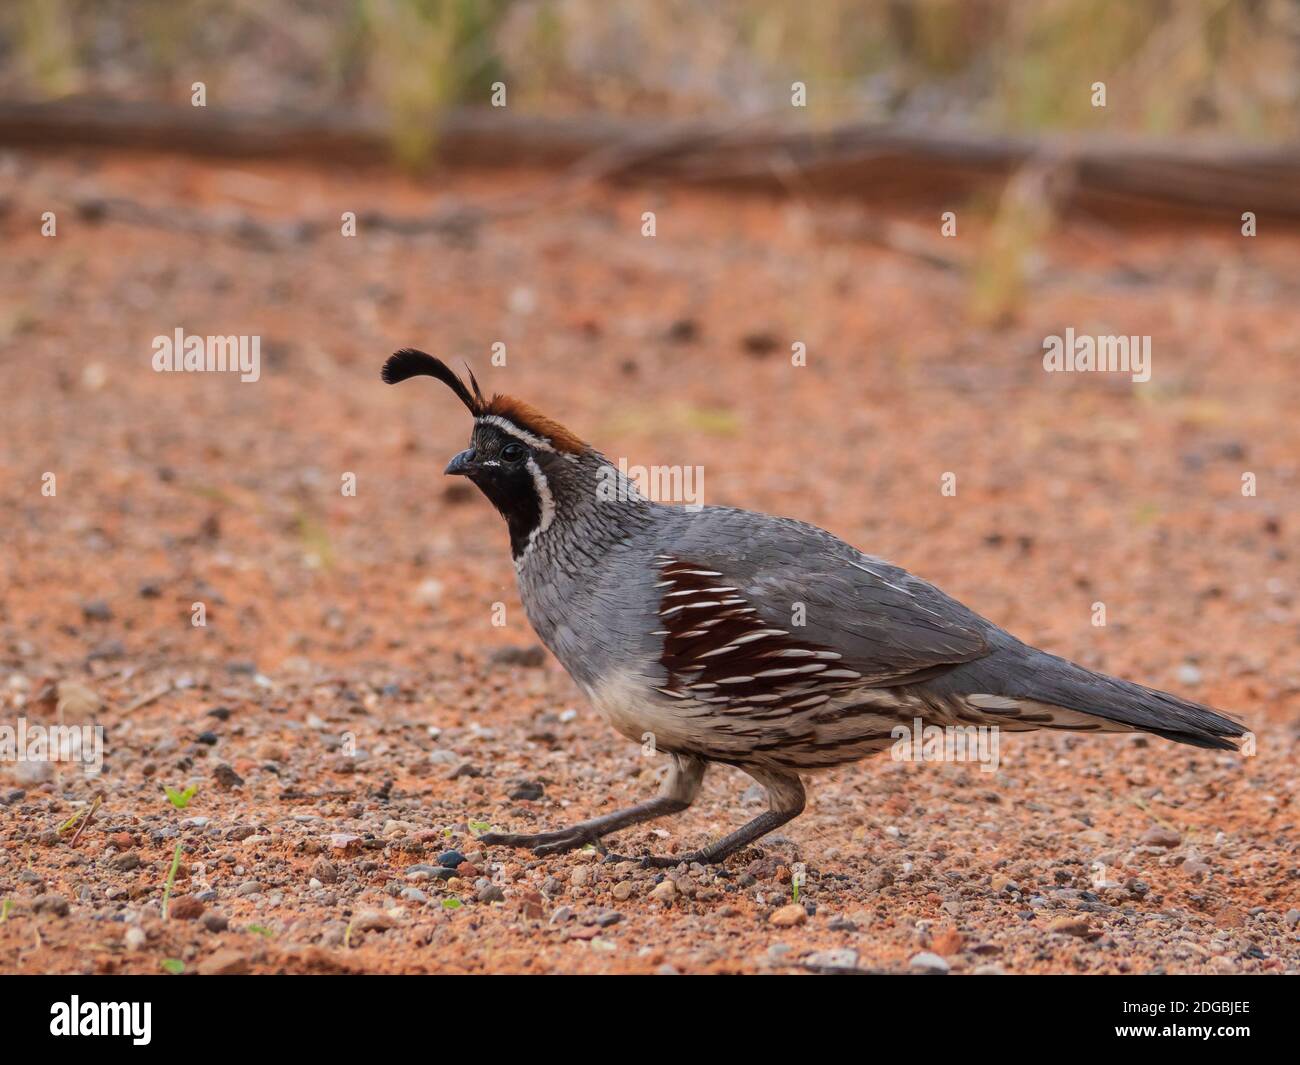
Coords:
1171,67
1182,69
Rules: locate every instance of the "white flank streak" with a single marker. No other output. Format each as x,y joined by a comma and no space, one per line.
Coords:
993,702
750,637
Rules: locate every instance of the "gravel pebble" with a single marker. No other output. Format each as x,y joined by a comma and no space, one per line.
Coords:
228,962
1161,837
529,790
845,958
664,891
927,962
788,916
491,893
372,921
324,870
55,904
185,908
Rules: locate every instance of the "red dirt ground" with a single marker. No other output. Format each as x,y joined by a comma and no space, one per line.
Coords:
372,715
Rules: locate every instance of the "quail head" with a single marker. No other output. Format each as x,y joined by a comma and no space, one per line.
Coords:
678,625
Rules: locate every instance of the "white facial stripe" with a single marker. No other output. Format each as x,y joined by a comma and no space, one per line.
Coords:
507,426
546,500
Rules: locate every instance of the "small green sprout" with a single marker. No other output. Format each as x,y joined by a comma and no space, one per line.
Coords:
5,907
171,879
181,799
451,904
480,826
261,930
173,965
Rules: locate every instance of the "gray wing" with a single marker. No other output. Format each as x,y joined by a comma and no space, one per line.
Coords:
746,596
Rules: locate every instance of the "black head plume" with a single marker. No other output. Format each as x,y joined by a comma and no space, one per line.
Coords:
411,363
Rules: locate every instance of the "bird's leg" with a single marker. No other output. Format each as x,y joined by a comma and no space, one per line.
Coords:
785,802
685,773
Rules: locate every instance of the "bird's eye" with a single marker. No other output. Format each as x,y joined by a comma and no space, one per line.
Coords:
513,452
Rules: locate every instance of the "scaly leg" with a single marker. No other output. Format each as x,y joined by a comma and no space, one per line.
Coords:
785,797
685,774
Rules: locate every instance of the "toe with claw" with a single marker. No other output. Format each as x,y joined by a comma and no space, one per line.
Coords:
540,843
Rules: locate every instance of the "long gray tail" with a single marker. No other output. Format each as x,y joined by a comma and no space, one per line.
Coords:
1023,674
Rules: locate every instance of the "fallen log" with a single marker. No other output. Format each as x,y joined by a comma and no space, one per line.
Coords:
869,161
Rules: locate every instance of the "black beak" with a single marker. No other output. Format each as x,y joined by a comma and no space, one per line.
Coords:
461,464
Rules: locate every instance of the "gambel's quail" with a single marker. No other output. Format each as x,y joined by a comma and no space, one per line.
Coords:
722,635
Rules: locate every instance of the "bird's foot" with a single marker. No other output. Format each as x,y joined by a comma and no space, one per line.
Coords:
541,843
662,861
671,861
610,858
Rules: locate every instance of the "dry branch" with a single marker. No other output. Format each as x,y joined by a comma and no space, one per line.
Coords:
874,162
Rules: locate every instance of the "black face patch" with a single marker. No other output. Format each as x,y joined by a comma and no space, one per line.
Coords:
500,470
